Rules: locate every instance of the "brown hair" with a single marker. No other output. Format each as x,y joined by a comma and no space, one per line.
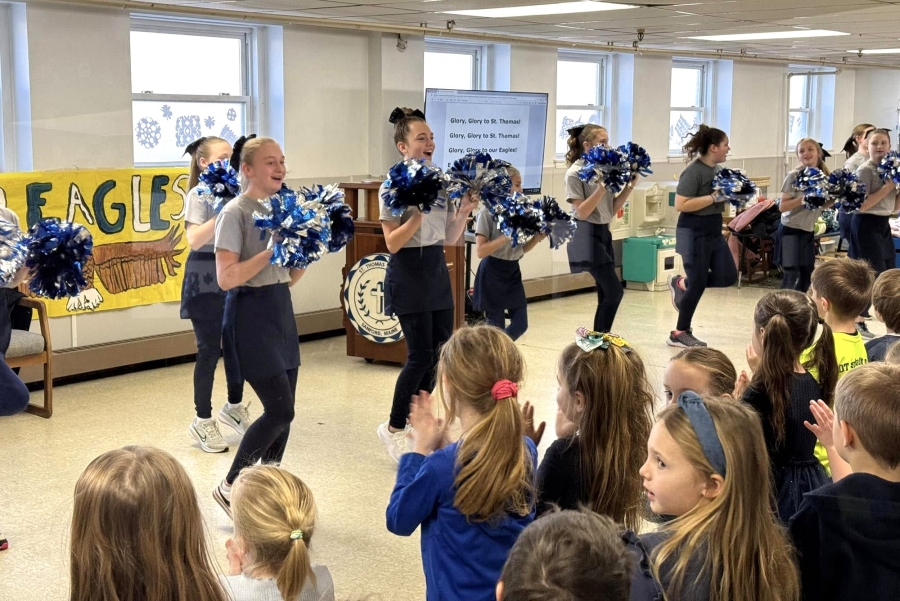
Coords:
269,504
137,533
886,298
741,547
495,471
613,428
820,164
868,398
850,146
790,320
846,283
699,142
200,149
403,121
578,136
892,355
568,556
718,367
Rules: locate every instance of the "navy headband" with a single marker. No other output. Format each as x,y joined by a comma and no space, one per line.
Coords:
696,411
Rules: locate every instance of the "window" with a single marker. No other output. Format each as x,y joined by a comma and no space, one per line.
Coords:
799,114
7,142
452,65
580,94
177,96
687,106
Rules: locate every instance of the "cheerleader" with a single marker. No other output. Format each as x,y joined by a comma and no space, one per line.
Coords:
13,392
259,312
417,283
698,233
498,283
591,249
857,150
203,302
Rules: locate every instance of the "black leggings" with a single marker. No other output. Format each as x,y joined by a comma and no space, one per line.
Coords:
708,262
424,333
609,295
518,320
212,341
267,437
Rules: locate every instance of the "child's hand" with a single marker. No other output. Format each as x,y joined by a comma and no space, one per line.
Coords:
740,386
535,434
428,430
823,428
469,202
235,558
564,428
753,359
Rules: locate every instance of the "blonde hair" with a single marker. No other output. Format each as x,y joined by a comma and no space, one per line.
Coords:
892,355
137,533
274,517
251,147
200,149
820,164
868,399
613,428
743,549
513,172
718,367
578,136
495,472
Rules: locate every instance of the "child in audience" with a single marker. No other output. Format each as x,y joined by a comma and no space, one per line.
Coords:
498,283
472,497
604,391
886,301
274,521
576,556
707,466
703,370
893,354
785,323
137,532
796,236
847,534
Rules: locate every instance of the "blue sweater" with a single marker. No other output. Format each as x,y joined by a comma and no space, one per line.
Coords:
462,560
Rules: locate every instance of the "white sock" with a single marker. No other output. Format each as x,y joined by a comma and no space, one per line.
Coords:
199,420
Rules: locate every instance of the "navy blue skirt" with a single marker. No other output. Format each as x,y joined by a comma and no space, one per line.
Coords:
417,281
498,285
264,330
872,241
592,246
794,248
200,292
794,480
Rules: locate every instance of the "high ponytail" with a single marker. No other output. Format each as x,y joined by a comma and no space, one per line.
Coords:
850,146
699,142
578,136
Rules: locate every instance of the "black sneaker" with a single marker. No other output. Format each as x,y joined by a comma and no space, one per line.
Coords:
675,290
223,498
684,340
866,315
863,330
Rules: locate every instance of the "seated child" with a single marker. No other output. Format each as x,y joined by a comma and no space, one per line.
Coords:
847,534
701,369
886,301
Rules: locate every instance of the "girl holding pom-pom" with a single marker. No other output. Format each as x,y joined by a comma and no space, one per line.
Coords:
259,310
13,392
498,283
417,284
203,302
591,249
698,234
797,243
870,231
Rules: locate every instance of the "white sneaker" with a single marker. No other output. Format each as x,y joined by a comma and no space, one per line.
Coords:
397,443
223,497
236,416
206,432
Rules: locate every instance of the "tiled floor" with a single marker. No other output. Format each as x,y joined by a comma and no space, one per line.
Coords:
333,446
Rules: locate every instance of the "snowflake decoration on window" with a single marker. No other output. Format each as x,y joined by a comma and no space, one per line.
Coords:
167,111
209,122
232,114
187,129
229,135
147,133
567,124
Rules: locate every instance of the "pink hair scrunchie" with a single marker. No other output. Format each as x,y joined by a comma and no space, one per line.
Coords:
504,389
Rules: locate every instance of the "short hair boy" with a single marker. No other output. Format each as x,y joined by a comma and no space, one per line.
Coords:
886,301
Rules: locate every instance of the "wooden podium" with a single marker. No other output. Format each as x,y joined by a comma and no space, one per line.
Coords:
369,239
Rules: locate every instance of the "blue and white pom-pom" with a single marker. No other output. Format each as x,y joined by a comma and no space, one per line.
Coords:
299,229
559,226
606,165
638,159
12,252
480,173
518,218
889,167
413,183
57,252
218,184
341,226
735,186
813,183
846,191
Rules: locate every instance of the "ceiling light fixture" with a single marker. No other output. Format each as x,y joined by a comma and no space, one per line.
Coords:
770,35
564,8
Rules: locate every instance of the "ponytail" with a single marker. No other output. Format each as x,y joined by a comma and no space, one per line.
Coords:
402,119
850,146
578,136
199,149
824,361
776,370
699,142
295,570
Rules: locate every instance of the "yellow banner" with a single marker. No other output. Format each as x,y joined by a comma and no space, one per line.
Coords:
136,217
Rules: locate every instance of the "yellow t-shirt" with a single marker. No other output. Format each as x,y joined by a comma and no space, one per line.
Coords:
851,352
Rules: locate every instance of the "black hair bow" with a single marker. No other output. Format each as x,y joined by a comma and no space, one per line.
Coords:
400,113
235,161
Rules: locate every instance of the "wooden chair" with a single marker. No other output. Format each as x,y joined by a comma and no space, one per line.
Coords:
30,348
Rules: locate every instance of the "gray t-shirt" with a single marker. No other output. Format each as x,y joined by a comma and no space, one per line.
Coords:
9,216
486,226
868,174
800,218
236,232
855,161
434,223
576,189
695,181
245,588
198,212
